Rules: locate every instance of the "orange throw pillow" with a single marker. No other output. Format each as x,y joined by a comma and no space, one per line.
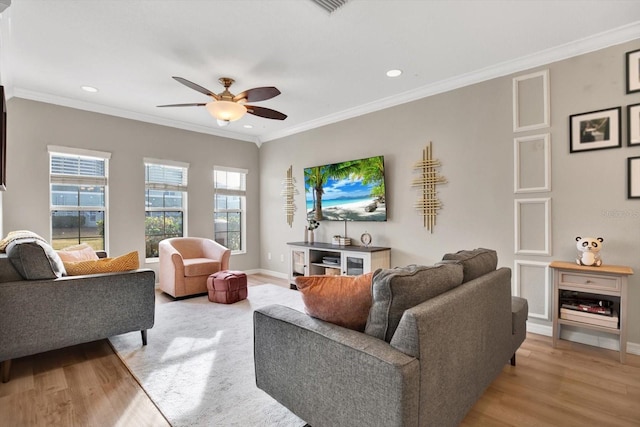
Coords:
124,262
342,300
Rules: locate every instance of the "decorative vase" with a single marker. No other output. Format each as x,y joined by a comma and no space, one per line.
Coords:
311,236
306,234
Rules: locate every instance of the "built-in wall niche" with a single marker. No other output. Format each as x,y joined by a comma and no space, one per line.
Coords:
531,281
533,226
532,164
531,101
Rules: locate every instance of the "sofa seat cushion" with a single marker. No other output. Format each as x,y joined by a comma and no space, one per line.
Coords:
341,300
35,259
519,315
475,263
396,290
124,262
200,267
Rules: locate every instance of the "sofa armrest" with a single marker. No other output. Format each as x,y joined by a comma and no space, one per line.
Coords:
325,373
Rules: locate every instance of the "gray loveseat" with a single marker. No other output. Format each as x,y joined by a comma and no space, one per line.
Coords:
46,314
423,365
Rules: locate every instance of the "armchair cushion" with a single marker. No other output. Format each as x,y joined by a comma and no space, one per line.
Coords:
341,300
35,259
200,266
396,290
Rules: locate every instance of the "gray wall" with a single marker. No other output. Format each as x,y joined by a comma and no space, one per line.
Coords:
472,133
34,125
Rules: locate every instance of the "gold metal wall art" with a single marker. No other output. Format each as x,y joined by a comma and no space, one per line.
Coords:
288,191
428,205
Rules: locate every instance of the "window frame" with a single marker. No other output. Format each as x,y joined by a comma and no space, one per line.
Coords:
167,187
62,179
243,204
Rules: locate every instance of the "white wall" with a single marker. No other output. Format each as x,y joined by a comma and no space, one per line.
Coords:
472,133
34,125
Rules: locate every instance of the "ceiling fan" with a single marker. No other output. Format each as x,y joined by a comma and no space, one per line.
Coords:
227,107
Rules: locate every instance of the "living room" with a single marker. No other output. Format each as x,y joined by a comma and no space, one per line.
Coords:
470,124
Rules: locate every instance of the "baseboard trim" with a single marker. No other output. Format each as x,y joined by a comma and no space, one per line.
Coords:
584,338
269,273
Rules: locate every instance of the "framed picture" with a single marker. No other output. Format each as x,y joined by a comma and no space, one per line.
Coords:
633,71
595,130
633,177
633,124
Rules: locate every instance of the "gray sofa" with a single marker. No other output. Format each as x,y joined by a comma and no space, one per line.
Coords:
46,314
421,365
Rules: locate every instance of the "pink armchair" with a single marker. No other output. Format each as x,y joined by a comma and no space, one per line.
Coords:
187,262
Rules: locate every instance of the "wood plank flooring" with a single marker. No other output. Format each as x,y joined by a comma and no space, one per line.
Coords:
573,385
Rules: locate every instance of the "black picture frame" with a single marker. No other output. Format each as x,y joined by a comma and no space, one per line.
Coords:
595,130
3,142
633,71
633,125
633,177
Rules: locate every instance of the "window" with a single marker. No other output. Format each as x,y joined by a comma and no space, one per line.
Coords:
78,182
165,202
229,207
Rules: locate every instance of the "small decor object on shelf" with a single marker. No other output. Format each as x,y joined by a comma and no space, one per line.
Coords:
365,238
288,191
589,251
429,204
313,224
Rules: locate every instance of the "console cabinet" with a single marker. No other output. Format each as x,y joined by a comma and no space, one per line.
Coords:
607,281
310,259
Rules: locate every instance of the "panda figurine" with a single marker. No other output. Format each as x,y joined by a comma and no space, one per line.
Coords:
589,248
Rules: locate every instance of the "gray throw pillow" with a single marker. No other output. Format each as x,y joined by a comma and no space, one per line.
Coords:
475,263
35,260
396,290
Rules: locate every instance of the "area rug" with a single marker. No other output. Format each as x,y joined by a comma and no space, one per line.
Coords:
198,365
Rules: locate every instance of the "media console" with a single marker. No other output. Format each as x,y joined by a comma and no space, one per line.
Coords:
310,259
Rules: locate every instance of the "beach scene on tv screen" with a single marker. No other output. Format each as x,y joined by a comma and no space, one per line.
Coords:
347,191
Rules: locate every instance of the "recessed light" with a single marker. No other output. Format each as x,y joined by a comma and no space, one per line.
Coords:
89,89
394,73
248,126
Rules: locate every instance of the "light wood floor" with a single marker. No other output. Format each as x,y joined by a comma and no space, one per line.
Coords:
573,385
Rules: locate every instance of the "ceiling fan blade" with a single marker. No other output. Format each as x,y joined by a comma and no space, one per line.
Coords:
267,113
196,87
257,94
194,104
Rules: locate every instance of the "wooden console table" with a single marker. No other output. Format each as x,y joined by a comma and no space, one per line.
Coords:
606,280
306,259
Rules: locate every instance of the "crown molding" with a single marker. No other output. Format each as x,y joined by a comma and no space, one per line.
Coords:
579,47
118,112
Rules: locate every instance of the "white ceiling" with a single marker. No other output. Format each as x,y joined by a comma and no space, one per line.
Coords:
329,67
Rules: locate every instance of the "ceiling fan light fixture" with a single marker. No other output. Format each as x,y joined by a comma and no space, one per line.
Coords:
223,123
227,111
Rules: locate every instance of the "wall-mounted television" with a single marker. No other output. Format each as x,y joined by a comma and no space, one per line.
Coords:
3,142
347,191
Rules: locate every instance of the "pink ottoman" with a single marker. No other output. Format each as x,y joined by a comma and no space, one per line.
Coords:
227,287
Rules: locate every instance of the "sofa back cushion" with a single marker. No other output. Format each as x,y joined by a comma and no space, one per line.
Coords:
475,263
35,259
396,290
